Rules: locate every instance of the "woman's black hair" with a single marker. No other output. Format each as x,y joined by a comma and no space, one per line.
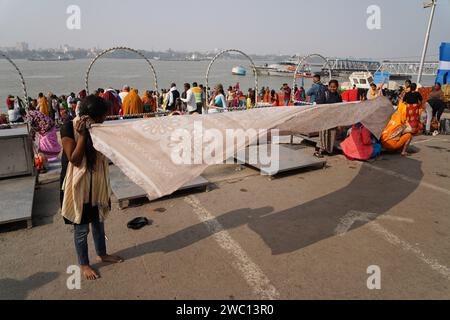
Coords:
220,89
96,108
335,82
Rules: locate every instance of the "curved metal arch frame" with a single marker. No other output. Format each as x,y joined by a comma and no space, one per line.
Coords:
302,63
218,56
126,49
24,86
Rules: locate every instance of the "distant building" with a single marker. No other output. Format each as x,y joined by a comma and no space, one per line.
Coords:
22,46
66,48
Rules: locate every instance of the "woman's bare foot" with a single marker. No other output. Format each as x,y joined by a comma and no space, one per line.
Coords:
89,273
110,259
405,154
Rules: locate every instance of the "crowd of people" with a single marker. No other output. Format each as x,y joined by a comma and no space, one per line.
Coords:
415,113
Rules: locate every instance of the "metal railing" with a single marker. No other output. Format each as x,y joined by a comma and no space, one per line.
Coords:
408,68
152,69
219,55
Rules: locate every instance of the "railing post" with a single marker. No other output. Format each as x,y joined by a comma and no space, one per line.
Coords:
24,86
126,49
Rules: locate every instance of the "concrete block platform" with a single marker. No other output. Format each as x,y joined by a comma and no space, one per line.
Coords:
289,160
16,198
125,190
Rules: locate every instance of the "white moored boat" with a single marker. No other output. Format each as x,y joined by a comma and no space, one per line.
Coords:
362,80
239,71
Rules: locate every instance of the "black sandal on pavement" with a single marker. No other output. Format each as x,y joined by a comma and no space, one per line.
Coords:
139,223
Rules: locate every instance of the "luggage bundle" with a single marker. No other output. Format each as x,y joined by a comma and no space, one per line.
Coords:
444,126
446,90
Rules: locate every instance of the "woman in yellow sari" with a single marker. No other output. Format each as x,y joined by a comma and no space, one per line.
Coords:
397,134
43,104
132,104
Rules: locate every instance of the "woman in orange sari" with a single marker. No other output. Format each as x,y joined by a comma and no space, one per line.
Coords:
149,104
397,134
132,104
266,98
43,104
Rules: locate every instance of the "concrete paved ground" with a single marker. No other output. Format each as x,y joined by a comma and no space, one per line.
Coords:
308,235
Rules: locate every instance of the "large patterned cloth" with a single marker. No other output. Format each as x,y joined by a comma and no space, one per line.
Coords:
144,149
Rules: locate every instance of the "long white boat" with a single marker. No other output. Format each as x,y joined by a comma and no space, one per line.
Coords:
281,69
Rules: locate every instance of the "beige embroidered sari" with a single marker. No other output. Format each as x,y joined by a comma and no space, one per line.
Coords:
77,186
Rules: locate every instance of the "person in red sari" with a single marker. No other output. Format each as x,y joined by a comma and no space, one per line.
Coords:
82,94
275,99
360,144
113,103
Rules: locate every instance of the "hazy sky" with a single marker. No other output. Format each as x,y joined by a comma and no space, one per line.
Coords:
333,28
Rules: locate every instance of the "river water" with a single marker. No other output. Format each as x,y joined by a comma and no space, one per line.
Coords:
69,76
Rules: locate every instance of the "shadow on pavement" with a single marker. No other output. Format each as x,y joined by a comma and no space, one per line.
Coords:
371,191
293,229
46,204
11,289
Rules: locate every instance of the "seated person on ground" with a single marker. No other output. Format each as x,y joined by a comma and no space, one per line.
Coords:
397,134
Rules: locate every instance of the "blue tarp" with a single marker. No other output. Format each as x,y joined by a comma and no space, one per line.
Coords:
380,77
443,76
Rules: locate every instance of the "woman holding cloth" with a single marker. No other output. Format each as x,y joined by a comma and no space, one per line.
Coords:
85,188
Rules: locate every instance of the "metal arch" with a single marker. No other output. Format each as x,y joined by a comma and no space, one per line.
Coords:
126,49
301,64
219,55
24,86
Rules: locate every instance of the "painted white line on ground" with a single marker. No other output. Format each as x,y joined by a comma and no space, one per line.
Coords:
395,240
353,216
427,140
393,218
252,273
347,221
408,179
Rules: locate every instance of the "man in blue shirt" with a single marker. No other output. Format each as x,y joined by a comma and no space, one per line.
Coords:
317,92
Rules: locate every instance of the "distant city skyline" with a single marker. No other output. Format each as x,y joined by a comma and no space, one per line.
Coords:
256,27
24,47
